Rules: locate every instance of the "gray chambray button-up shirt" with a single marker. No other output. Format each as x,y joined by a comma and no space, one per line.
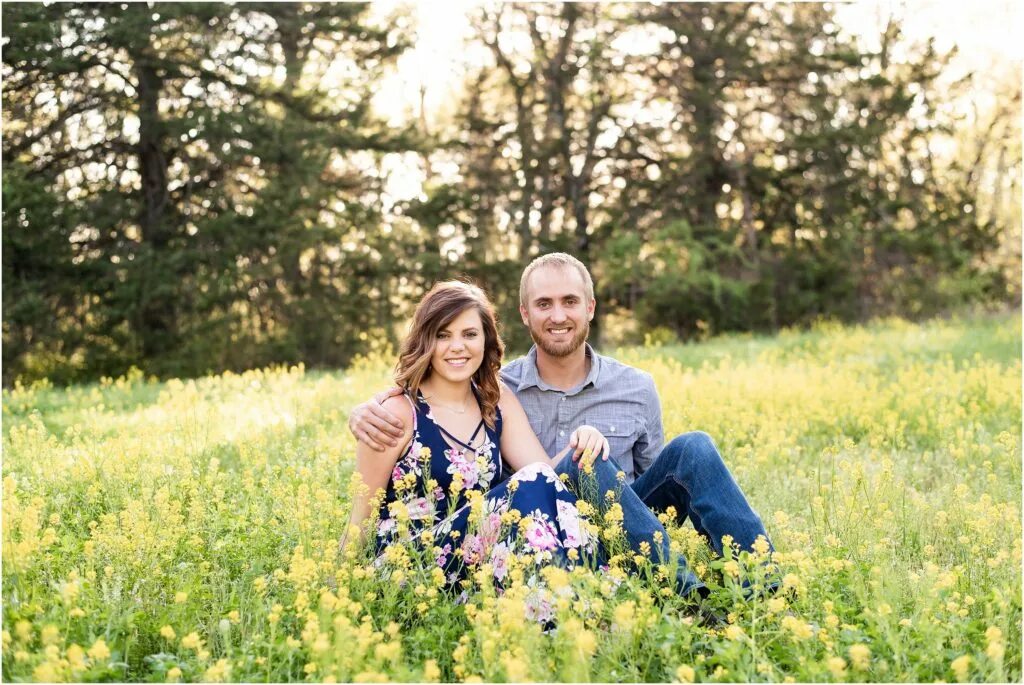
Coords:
617,399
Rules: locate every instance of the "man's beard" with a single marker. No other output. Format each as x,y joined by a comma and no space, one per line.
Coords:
566,348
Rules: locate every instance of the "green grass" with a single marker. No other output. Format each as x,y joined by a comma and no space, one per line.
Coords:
884,460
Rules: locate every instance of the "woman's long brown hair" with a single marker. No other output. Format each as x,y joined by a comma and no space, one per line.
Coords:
438,308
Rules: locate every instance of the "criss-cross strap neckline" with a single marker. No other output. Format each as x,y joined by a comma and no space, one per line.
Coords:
469,445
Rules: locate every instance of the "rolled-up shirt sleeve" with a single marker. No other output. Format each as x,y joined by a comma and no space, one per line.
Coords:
652,436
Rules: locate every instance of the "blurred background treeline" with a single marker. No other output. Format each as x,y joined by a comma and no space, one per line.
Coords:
191,188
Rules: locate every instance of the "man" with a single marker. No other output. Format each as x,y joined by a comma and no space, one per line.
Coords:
563,383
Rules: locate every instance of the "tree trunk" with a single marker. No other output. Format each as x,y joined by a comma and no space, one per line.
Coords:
156,313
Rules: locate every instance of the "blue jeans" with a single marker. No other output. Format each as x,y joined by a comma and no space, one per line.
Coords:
690,475
639,522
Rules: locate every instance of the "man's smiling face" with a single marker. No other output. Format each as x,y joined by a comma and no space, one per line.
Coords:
557,310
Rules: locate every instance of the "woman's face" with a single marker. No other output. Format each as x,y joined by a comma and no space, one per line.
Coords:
460,347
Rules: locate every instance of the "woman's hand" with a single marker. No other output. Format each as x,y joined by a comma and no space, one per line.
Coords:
588,443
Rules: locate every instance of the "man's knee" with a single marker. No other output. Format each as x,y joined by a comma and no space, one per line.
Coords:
695,449
606,468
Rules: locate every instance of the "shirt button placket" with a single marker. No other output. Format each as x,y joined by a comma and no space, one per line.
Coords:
561,417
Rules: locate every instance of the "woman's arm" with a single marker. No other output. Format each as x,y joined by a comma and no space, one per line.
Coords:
520,446
375,468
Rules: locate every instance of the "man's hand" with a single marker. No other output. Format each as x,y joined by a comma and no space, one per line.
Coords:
375,426
588,442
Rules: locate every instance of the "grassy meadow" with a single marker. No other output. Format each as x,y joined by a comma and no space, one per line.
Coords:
188,530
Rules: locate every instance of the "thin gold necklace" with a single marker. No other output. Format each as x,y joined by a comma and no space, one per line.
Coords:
465,405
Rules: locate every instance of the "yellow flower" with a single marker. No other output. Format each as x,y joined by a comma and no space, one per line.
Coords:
49,634
76,657
733,632
220,671
180,597
45,673
23,629
614,513
174,675
685,674
801,630
99,650
623,615
557,577
437,575
836,666
761,545
960,667
995,648
586,643
191,641
431,672
860,656
167,633
388,651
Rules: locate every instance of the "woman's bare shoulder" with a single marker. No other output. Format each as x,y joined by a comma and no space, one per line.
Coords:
400,406
507,396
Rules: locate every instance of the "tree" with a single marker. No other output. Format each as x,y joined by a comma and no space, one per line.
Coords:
216,173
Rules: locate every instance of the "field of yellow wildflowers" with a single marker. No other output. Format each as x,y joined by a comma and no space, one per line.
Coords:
185,531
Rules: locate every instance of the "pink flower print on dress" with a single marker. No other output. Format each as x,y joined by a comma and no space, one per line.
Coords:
530,472
538,607
541,536
386,526
490,528
569,522
442,555
499,560
420,509
473,550
465,467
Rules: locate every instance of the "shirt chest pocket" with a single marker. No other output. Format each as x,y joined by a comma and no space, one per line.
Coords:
621,432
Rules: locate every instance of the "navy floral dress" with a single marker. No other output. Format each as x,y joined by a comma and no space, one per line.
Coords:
531,514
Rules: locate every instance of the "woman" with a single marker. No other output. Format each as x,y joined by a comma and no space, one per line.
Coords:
467,430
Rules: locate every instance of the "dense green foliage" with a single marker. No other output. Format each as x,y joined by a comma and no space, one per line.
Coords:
188,530
192,187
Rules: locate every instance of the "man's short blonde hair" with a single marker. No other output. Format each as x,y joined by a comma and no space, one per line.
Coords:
561,260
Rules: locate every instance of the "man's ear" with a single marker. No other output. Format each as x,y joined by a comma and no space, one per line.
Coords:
522,314
590,309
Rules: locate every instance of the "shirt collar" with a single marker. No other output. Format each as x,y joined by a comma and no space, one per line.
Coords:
531,376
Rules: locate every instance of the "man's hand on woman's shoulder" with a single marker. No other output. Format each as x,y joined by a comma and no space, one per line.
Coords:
374,425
